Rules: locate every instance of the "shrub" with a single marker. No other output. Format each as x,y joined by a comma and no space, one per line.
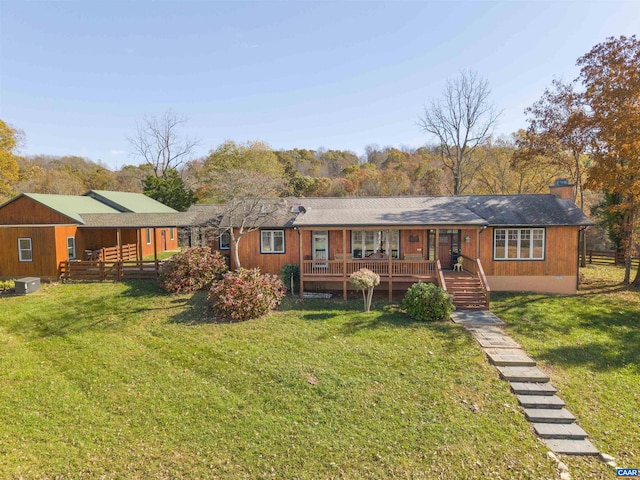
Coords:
365,280
290,276
191,270
245,294
427,302
7,286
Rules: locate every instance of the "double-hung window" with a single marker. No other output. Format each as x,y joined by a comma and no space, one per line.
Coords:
225,241
518,243
272,241
148,235
25,250
71,248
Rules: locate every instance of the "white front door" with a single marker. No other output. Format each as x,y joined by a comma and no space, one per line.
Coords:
320,245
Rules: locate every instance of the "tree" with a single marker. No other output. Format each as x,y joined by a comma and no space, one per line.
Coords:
10,139
610,73
169,190
460,121
365,280
251,202
160,144
253,155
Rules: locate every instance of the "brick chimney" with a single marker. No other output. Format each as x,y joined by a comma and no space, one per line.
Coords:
561,188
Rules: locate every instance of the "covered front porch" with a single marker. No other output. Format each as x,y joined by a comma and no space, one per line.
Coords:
400,255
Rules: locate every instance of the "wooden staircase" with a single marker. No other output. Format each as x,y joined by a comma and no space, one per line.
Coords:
466,290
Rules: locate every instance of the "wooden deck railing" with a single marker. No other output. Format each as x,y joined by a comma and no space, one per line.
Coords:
128,251
484,283
114,271
399,268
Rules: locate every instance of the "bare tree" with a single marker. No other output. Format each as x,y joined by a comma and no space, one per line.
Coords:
252,203
159,143
460,121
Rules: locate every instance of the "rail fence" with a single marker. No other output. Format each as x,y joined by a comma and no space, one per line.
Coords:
609,257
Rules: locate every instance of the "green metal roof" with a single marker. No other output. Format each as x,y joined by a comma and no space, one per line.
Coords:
71,205
129,202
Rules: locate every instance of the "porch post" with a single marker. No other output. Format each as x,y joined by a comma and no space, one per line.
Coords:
300,254
155,249
139,244
437,245
119,242
390,265
344,263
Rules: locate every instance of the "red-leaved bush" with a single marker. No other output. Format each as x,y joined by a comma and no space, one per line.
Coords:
245,294
191,270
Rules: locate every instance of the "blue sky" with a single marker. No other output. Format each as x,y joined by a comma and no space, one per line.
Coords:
77,77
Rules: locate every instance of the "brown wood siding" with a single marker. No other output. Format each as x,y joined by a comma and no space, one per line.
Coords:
470,249
43,244
250,256
26,211
335,243
413,248
561,250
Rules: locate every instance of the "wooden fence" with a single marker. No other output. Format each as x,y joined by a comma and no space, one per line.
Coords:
608,257
114,271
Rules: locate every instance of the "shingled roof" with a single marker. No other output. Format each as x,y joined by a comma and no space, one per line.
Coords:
478,210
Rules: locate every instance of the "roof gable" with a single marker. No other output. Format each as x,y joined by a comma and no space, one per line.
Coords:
70,205
129,202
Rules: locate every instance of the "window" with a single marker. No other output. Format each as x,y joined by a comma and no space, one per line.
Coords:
518,244
148,236
272,241
172,233
25,252
225,241
366,242
71,248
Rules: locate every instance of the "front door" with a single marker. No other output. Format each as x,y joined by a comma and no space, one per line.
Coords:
448,247
320,245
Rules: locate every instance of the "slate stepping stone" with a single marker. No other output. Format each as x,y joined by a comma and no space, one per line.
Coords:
494,340
530,388
571,447
514,357
567,431
523,374
540,401
549,415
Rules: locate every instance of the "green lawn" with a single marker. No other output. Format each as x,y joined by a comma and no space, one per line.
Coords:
590,344
122,381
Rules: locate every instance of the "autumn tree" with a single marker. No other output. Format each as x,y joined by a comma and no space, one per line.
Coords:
610,74
461,120
160,143
10,139
559,134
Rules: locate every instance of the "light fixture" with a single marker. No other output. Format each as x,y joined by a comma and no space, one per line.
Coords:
467,239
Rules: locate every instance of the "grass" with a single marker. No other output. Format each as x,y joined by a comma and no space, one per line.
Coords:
590,344
122,381
161,255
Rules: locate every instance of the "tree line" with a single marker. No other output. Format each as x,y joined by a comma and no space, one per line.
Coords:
586,130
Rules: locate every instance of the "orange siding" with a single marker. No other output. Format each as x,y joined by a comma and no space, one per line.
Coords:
561,250
469,249
415,247
43,244
26,211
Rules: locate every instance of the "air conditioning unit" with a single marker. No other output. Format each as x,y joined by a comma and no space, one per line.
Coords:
27,285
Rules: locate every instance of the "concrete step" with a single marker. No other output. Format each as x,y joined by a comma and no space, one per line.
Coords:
531,388
571,447
523,374
509,357
539,401
559,431
549,415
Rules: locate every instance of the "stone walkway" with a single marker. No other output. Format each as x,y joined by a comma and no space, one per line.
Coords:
542,407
